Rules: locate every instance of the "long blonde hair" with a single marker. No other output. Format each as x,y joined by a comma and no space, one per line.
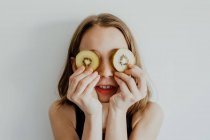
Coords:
104,20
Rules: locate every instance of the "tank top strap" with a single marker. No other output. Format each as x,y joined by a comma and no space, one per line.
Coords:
80,119
129,125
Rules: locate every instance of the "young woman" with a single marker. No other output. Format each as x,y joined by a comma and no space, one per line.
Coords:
84,111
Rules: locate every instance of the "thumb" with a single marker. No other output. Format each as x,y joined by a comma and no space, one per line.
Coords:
95,95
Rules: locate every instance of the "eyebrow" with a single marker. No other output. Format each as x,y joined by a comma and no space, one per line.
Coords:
97,52
112,51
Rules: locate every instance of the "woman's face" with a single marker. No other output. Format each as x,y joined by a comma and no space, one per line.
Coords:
104,40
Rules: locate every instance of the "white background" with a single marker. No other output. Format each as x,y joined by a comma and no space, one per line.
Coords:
173,38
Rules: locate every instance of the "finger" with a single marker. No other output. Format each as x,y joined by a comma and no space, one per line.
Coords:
137,73
134,71
78,71
74,80
84,82
140,78
81,70
123,87
88,90
130,82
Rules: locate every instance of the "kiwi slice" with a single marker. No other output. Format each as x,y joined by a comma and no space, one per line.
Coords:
121,58
87,58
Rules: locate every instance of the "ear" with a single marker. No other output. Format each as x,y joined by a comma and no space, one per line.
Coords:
73,62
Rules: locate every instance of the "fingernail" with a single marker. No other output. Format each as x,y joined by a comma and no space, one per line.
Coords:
116,73
89,69
129,65
115,76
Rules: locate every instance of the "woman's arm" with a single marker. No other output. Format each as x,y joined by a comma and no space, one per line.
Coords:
81,92
93,127
132,88
116,128
146,129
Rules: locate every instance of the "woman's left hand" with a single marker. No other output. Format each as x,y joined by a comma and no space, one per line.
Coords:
132,88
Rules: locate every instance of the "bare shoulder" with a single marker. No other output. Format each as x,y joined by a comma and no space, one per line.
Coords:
152,111
146,125
62,112
62,120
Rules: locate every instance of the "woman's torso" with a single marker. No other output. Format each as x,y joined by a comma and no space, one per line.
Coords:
79,118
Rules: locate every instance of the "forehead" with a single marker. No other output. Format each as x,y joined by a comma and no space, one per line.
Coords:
103,39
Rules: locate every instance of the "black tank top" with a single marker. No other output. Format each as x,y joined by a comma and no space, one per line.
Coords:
80,119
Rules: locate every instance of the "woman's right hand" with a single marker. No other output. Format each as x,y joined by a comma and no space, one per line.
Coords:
80,91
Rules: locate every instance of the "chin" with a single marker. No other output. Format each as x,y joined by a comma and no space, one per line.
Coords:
103,99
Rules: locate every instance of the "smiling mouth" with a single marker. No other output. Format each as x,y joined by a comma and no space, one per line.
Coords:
106,89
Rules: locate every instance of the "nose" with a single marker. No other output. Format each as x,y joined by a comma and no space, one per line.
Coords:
105,68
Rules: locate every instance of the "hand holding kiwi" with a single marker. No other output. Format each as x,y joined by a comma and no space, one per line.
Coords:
120,59
81,90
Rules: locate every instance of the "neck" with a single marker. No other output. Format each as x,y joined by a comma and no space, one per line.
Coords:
105,113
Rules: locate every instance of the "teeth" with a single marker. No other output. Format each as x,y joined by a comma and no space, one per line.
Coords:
105,87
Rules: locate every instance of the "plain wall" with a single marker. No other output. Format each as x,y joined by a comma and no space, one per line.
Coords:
173,39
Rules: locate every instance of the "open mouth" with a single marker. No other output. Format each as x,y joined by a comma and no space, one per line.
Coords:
105,89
